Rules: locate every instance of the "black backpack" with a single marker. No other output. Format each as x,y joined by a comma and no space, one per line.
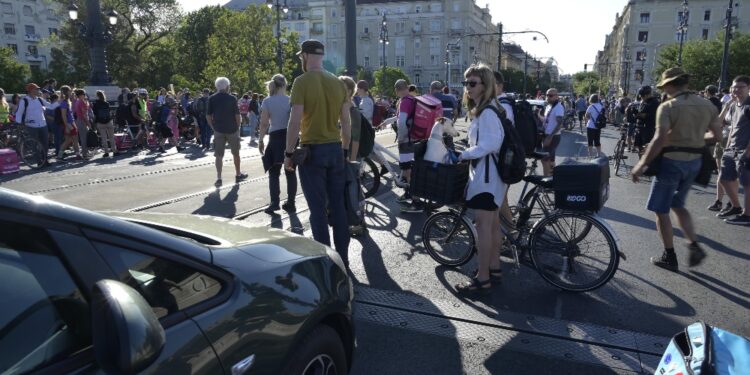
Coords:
366,137
511,164
525,124
101,112
156,112
601,119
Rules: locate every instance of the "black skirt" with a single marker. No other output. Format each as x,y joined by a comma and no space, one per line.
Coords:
274,152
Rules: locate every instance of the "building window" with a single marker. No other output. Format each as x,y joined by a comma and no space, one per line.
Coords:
645,17
433,59
643,36
679,16
333,13
400,45
417,43
417,61
33,51
400,61
707,15
366,30
639,75
27,11
334,30
456,24
640,55
10,29
14,47
434,43
704,35
7,8
456,6
418,9
367,61
677,36
30,30
435,25
317,28
417,26
53,31
416,78
399,27
300,27
436,7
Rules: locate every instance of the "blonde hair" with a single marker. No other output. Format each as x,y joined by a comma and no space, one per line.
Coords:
349,84
487,76
276,83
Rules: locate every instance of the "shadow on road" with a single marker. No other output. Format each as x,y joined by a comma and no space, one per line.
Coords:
215,205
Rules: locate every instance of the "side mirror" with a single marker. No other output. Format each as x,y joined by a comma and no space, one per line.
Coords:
127,335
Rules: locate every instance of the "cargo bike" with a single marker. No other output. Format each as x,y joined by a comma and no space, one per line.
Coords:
555,228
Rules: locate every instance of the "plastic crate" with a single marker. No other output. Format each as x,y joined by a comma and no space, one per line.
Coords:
439,183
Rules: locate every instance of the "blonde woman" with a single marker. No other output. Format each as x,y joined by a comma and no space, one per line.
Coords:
485,191
274,118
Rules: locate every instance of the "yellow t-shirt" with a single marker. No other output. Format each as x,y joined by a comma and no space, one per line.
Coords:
687,117
322,95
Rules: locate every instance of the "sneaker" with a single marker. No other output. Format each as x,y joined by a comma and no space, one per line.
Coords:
411,207
729,212
240,177
738,220
666,261
217,183
695,254
405,197
271,209
715,207
106,155
289,207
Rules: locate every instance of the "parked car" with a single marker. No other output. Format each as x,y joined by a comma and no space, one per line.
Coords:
87,292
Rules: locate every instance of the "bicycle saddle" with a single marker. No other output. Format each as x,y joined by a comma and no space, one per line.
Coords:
545,182
538,155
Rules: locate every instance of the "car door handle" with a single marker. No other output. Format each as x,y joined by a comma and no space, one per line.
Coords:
242,366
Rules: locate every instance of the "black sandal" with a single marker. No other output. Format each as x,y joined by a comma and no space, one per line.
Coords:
495,275
475,286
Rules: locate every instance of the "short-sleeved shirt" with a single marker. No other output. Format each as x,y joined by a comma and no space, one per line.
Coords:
581,105
69,115
739,130
81,109
551,113
687,117
278,108
595,110
223,107
322,95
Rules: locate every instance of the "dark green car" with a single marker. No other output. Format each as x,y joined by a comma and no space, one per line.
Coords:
85,292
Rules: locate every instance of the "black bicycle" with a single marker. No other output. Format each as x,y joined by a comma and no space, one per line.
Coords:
574,251
618,156
29,149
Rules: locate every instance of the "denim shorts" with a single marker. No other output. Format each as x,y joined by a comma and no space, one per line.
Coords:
670,187
734,166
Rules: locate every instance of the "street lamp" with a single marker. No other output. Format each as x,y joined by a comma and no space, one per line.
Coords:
279,9
96,37
384,41
723,79
682,28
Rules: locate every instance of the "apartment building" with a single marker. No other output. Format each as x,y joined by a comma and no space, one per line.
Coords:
644,27
27,25
422,34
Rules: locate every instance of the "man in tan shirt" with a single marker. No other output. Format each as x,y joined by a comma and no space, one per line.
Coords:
681,122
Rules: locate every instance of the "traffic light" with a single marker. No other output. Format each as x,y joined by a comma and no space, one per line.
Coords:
585,67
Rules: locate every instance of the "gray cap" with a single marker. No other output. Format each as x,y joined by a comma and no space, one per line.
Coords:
436,85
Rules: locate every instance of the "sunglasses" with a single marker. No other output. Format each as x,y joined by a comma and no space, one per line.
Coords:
471,83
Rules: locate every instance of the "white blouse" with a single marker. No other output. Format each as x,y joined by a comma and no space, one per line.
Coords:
485,137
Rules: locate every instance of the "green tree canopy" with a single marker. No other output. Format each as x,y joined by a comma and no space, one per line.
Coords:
585,83
191,45
13,74
384,83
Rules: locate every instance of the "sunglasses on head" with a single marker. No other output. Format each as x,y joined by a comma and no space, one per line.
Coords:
471,83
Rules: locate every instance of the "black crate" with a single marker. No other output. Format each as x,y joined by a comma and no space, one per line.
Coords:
581,185
439,183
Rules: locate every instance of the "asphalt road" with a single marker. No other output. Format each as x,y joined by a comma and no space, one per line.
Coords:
408,316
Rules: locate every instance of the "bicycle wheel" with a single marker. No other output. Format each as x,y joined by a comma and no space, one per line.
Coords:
448,238
546,197
32,153
619,149
369,177
576,266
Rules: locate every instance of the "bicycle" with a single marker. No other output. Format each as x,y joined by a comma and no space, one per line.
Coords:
557,246
29,150
618,156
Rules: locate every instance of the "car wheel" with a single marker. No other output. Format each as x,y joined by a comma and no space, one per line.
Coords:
320,352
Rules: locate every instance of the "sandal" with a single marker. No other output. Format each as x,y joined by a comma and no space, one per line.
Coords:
495,275
474,286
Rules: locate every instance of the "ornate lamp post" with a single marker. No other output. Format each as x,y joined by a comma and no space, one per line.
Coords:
682,29
279,9
97,38
384,41
723,79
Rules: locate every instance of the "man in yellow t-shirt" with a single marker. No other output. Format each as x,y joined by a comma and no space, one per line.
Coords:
681,124
319,103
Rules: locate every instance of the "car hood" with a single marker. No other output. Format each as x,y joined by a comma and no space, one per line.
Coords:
221,233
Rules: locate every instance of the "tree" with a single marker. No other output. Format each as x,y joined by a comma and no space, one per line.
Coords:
702,59
191,44
392,74
588,83
13,74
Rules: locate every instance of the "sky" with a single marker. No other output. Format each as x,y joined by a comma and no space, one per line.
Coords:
576,28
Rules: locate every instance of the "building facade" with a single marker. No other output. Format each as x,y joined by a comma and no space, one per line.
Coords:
27,28
644,27
422,35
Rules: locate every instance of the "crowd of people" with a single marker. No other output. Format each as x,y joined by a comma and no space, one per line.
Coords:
314,133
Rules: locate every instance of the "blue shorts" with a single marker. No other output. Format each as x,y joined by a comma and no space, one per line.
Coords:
734,167
670,187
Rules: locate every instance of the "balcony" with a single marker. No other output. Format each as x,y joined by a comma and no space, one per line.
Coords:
32,37
456,32
33,58
365,36
416,68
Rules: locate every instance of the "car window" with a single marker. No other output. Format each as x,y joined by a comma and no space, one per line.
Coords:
168,286
44,318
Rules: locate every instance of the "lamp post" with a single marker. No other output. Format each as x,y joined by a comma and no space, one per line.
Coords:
682,28
279,9
723,79
97,38
384,41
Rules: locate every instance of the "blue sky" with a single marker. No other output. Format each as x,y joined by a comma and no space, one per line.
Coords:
575,28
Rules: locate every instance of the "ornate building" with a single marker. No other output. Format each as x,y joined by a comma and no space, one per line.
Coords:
27,25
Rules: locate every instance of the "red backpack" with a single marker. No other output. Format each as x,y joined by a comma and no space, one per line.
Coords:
425,111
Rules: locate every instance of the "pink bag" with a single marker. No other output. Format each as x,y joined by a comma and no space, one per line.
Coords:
9,162
425,111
